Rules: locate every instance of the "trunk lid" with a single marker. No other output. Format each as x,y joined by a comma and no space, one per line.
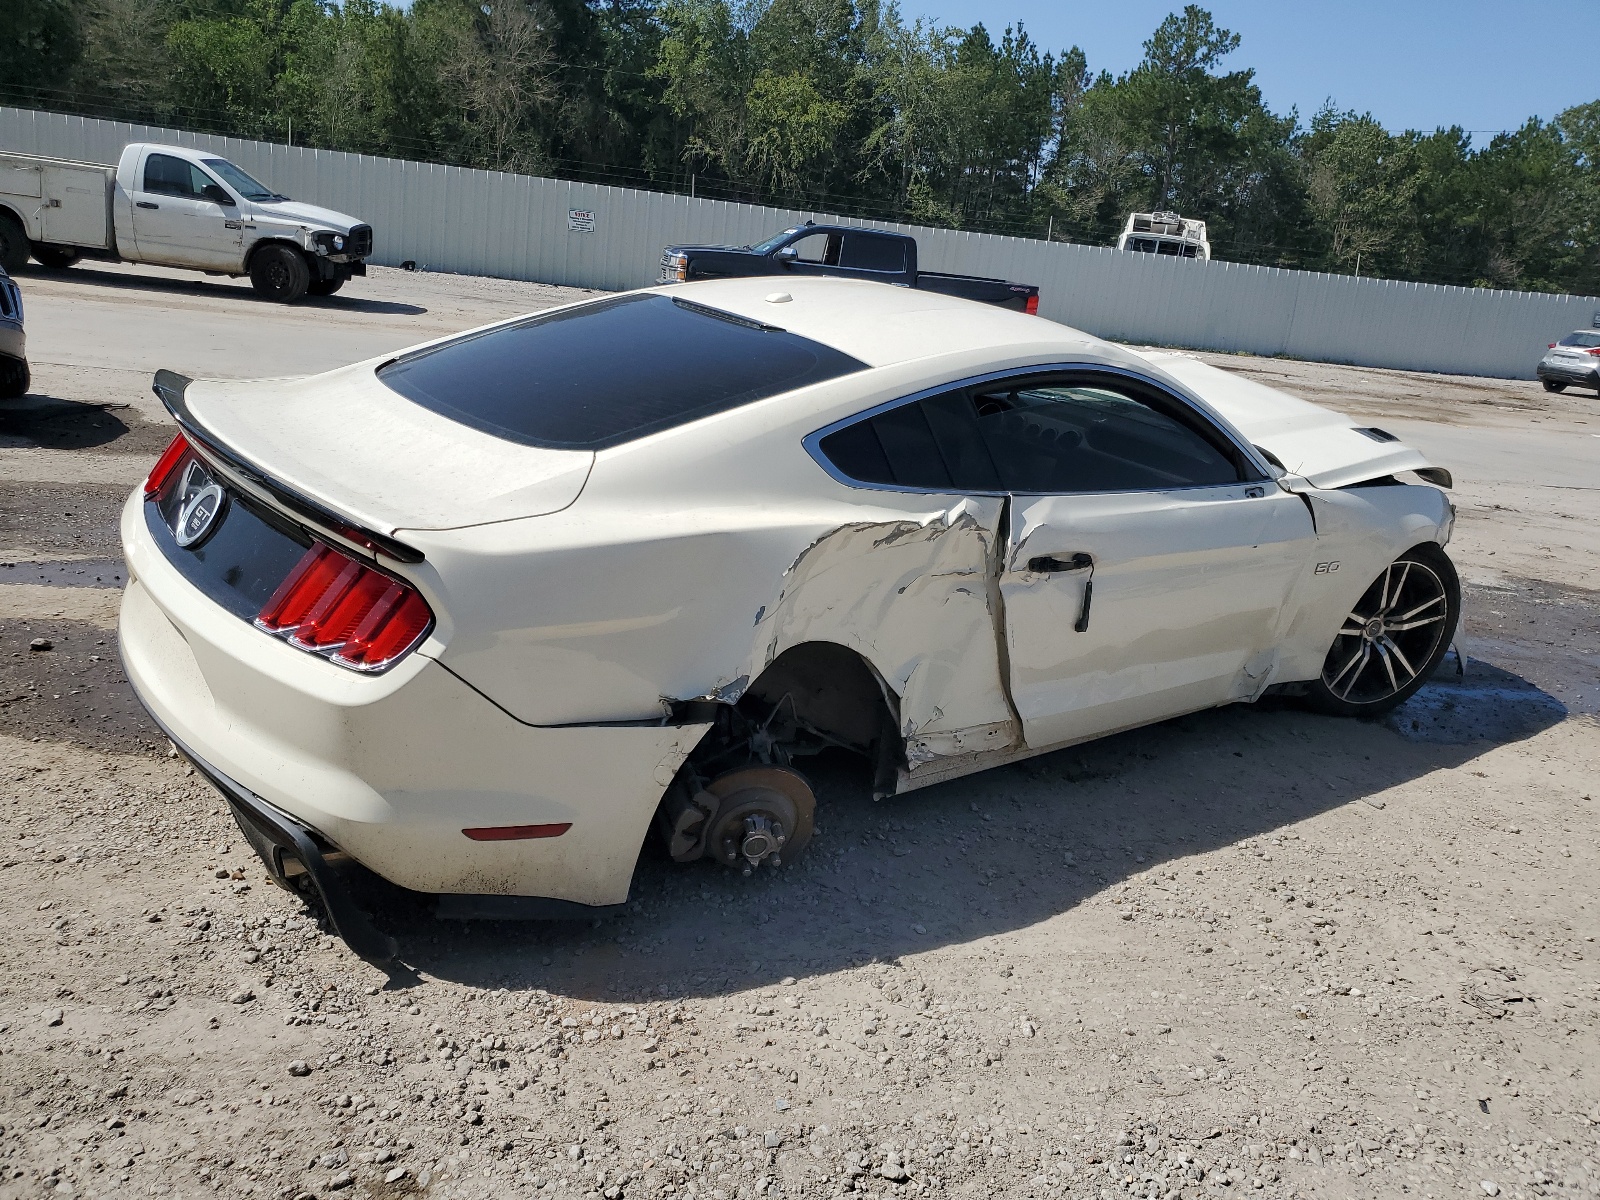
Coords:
1327,448
386,463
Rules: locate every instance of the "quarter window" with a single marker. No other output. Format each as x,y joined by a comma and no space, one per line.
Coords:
1055,434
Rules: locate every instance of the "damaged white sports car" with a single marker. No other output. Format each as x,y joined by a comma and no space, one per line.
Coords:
478,614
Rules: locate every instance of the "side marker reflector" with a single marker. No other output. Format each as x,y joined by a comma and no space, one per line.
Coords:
516,833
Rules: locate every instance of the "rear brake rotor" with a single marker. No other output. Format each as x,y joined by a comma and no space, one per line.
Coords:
765,813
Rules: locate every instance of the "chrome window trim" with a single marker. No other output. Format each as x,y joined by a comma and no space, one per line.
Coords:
813,441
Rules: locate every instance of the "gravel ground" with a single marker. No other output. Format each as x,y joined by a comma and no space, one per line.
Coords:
1250,952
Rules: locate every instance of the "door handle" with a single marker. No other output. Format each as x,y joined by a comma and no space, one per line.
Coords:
145,204
1047,564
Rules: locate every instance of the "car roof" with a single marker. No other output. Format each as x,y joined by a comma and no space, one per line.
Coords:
881,324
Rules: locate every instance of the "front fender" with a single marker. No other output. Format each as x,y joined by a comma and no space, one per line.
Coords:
1360,531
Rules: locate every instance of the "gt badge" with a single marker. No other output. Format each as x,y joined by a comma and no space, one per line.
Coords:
201,503
1327,568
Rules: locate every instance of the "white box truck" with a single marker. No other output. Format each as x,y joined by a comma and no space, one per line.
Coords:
175,206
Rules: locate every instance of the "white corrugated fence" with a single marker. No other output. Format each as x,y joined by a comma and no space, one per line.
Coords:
522,227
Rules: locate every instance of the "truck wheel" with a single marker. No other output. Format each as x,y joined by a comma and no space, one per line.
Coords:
280,273
13,244
14,379
327,287
57,258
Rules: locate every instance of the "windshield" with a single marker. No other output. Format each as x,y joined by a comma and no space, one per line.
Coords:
240,182
773,242
1587,341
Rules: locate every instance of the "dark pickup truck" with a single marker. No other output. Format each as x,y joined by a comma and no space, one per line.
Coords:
845,251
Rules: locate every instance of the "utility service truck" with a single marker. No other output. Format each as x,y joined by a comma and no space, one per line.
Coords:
1165,233
175,206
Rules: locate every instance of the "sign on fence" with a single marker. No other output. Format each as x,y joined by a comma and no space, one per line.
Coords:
580,220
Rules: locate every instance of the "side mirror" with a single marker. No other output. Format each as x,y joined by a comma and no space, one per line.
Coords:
787,254
215,193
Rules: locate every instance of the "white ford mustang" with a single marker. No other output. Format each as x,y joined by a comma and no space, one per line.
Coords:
477,614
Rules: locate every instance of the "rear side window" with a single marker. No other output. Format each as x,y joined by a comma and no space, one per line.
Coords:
1054,435
872,252
593,377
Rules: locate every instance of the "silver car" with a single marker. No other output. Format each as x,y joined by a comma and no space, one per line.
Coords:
1574,359
13,342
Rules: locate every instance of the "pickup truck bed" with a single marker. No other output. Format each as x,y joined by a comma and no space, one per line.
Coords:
845,251
72,199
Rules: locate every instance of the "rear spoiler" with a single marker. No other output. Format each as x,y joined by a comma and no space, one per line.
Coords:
171,388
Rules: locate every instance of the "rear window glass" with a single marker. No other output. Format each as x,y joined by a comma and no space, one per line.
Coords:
593,377
1585,340
870,252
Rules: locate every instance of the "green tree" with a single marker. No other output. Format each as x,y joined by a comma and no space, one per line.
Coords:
841,105
1362,185
40,42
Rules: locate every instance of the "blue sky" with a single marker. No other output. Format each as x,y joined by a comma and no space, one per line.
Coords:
1414,64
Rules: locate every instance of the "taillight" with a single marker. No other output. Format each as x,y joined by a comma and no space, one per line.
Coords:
166,466
337,606
1032,307
1595,352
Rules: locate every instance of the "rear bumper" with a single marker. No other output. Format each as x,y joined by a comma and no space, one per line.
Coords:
390,769
289,849
1562,373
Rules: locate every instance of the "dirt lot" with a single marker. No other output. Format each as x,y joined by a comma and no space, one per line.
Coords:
1251,952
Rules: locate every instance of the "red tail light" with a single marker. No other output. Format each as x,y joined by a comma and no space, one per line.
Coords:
1595,351
1032,307
166,466
336,605
516,833
1551,346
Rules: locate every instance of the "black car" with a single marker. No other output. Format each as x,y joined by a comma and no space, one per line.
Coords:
842,250
14,378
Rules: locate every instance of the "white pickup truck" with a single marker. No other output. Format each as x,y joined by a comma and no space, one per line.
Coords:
174,206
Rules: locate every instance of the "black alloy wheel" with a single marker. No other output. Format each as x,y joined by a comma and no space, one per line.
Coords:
280,273
13,244
1394,637
1551,386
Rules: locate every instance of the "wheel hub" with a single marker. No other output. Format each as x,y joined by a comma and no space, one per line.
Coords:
762,813
1373,630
